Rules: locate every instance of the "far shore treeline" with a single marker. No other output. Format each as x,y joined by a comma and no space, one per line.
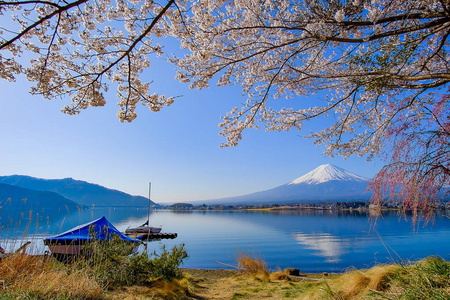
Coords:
332,206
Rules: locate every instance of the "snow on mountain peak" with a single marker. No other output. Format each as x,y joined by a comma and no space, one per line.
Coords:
326,173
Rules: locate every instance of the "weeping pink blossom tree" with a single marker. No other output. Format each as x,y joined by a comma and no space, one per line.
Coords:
418,153
379,69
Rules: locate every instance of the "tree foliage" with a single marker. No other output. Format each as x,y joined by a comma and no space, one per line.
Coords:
379,68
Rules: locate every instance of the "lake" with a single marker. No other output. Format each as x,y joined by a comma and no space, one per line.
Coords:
310,240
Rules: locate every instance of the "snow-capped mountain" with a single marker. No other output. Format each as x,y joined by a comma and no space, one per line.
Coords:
326,173
325,183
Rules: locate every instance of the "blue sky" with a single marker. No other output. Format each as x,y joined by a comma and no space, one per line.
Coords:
177,149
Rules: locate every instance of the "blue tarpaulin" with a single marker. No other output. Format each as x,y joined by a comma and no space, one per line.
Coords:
81,234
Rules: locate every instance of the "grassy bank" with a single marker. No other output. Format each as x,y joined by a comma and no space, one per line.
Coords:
426,279
116,275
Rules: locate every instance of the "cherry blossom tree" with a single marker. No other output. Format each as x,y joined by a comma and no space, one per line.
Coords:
78,48
378,68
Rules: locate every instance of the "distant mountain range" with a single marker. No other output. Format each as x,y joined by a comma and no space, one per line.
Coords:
13,198
81,192
323,184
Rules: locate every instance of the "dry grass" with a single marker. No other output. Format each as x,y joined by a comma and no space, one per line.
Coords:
426,279
176,289
40,276
56,283
380,276
243,286
251,264
379,282
279,275
354,284
37,277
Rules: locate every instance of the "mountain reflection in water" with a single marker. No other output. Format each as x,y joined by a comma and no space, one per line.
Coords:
327,245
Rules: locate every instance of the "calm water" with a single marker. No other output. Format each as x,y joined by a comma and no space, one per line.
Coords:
313,241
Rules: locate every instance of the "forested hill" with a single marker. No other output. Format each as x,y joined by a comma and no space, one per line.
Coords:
13,198
82,192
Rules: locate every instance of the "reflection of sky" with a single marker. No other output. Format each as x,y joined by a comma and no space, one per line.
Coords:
327,245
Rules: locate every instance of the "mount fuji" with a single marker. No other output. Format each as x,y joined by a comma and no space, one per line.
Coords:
324,184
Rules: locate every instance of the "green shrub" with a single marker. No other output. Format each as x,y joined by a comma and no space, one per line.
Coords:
112,263
166,265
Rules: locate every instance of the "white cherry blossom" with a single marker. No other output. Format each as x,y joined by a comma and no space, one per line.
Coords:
380,68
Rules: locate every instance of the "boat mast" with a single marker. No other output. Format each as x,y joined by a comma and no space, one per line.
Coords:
149,203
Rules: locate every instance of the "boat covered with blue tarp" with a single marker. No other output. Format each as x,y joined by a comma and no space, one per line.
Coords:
72,241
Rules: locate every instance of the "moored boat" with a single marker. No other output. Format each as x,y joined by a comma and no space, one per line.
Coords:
144,230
